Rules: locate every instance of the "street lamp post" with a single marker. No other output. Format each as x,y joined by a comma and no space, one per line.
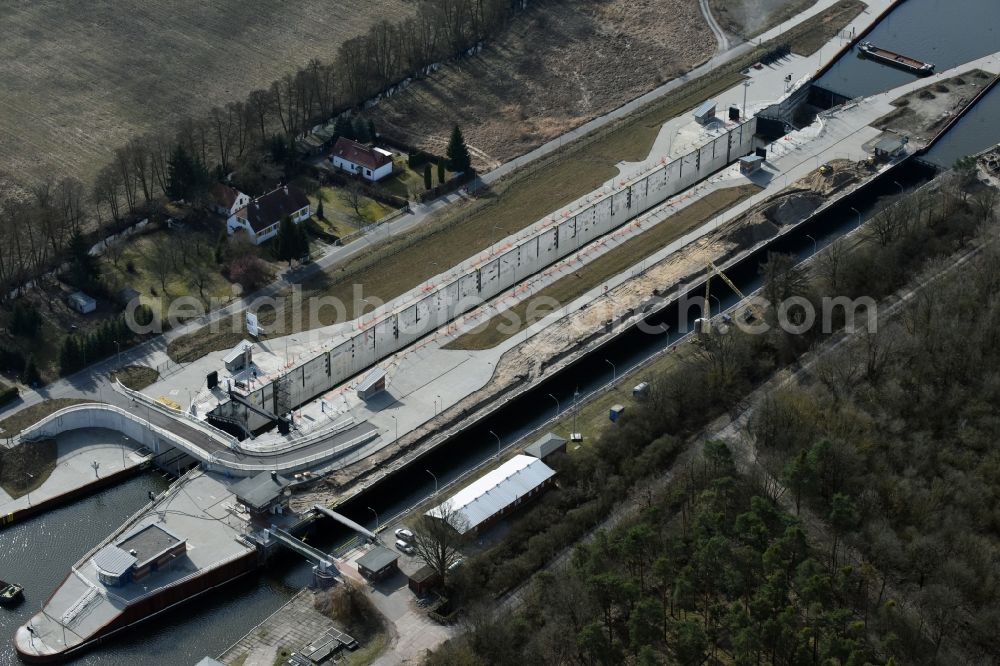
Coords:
124,439
376,518
815,244
614,371
498,443
717,302
31,477
558,409
902,190
119,354
435,480
396,421
746,85
859,214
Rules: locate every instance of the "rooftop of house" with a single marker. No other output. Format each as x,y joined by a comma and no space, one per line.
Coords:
148,543
359,154
377,558
225,195
272,207
259,491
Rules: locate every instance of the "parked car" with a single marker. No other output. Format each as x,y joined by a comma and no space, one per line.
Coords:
404,547
404,534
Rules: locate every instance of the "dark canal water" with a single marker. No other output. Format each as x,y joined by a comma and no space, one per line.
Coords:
944,32
39,552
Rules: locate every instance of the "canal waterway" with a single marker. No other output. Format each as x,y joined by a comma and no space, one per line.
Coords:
39,552
946,33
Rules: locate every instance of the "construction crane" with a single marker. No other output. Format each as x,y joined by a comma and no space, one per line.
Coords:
715,270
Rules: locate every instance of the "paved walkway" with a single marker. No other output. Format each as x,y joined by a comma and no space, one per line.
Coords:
293,626
77,452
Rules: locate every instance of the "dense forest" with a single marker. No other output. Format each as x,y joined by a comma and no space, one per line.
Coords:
864,532
904,424
714,571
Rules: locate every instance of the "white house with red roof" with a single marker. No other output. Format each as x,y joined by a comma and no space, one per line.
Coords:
228,199
260,218
372,164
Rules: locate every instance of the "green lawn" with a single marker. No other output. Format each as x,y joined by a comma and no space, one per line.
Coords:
611,263
28,416
136,377
341,217
167,264
407,182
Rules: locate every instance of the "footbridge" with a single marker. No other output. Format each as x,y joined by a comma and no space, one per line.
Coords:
325,563
347,522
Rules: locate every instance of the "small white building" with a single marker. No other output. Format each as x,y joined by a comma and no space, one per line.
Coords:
227,199
372,164
261,218
495,494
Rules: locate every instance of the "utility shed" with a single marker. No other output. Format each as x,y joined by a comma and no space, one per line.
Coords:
264,493
751,164
705,113
422,580
378,563
239,357
82,303
545,446
889,147
372,384
496,494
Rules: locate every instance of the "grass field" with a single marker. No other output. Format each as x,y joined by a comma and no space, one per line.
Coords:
20,420
461,230
136,377
609,264
79,79
749,18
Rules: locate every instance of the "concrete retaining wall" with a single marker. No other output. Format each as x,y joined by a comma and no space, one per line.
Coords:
561,234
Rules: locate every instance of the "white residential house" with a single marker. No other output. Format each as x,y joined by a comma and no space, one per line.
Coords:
260,218
228,199
372,164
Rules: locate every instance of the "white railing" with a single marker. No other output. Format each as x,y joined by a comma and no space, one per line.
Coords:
298,463
193,421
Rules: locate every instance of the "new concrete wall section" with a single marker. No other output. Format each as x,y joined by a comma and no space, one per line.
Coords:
411,317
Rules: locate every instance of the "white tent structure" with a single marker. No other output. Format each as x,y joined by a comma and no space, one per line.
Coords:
494,494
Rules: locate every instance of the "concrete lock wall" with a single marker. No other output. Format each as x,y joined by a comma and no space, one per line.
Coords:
109,418
444,302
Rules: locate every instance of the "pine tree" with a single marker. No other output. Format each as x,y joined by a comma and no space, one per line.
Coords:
427,176
319,209
343,127
69,355
441,173
458,153
220,247
84,269
30,375
186,176
287,241
302,240
361,131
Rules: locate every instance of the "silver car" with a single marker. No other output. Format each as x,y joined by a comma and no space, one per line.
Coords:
404,547
404,534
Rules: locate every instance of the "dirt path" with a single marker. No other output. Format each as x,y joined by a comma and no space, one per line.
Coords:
720,35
